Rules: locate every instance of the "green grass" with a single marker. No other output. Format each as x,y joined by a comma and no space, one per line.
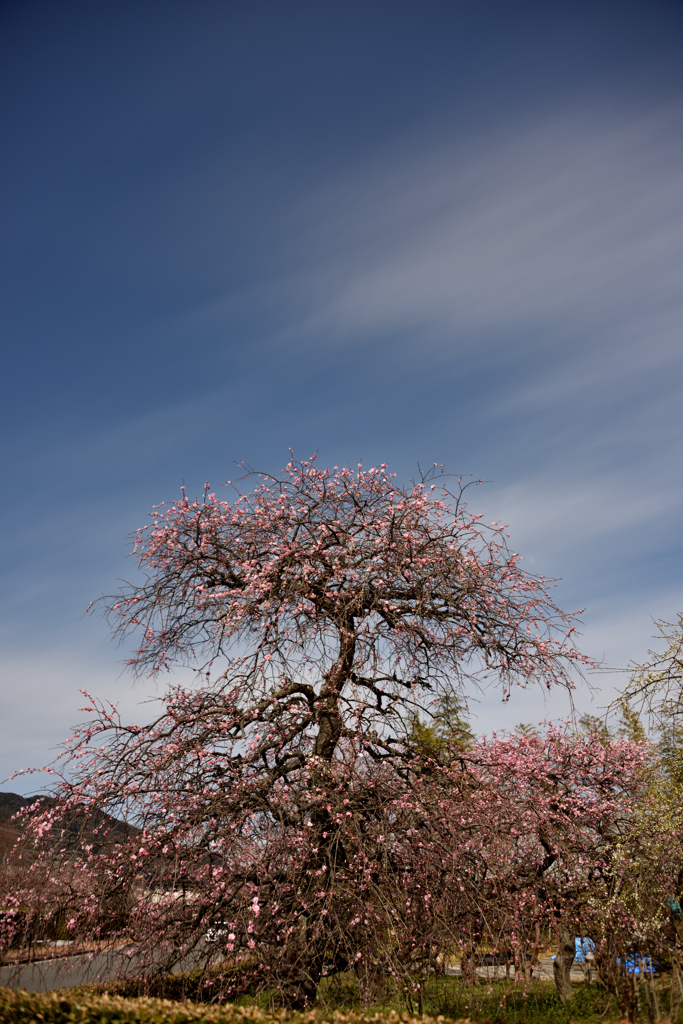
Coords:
429,996
496,1002
488,1002
73,1007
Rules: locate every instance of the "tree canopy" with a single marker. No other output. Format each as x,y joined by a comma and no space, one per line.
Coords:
287,812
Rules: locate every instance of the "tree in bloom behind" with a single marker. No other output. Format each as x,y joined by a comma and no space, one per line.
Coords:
285,817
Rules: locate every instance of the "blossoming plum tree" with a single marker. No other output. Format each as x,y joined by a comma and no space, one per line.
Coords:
285,818
563,807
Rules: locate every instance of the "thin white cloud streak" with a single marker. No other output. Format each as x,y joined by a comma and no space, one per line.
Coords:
42,698
604,637
551,519
591,531
40,705
572,224
120,478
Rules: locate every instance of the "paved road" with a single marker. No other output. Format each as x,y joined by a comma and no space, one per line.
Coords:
69,971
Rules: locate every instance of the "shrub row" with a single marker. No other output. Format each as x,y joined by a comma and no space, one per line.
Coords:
198,986
64,1008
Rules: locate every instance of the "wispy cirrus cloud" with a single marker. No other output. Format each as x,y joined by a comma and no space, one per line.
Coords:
570,224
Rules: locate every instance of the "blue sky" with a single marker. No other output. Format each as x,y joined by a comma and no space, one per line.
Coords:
401,232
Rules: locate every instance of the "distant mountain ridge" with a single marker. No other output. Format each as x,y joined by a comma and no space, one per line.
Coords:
77,827
11,803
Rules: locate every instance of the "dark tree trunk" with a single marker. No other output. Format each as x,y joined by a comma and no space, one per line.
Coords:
299,994
563,964
301,970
